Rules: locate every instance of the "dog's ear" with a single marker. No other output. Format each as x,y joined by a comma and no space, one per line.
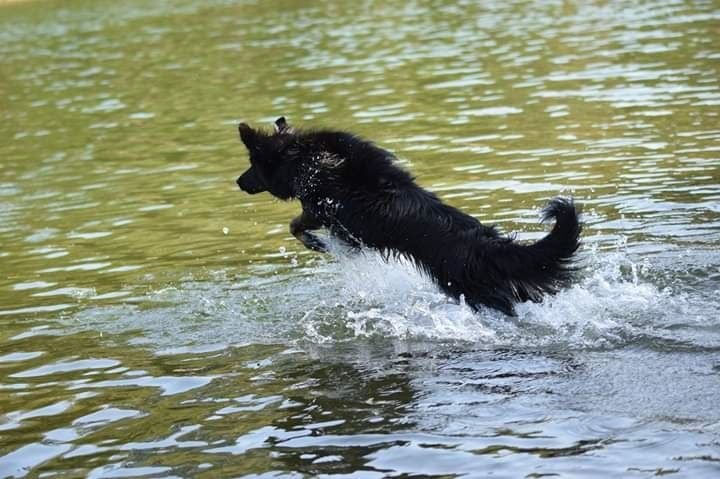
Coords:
247,135
281,126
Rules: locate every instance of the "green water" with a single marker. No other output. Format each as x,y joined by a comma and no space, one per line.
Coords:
157,322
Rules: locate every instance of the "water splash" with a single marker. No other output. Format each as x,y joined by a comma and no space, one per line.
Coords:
619,299
614,303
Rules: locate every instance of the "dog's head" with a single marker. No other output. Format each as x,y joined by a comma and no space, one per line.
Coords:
272,167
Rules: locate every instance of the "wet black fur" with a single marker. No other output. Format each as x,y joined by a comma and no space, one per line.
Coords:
354,189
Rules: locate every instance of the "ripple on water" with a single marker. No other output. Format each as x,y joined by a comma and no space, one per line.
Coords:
183,351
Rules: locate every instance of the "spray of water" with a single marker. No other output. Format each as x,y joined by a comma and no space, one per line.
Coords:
348,296
613,303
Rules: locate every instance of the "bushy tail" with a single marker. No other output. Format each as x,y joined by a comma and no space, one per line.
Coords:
559,246
523,272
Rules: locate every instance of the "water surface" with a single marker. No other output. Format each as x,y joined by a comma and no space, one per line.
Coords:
156,322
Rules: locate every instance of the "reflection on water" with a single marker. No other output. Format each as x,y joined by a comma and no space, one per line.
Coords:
385,407
158,323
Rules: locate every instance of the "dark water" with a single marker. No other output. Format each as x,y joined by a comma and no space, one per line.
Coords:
155,322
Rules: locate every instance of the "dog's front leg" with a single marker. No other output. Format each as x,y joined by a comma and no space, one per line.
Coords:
299,227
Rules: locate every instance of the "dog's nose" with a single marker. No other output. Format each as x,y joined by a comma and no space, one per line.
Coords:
238,180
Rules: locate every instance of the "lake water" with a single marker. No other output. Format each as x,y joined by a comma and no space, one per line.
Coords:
157,322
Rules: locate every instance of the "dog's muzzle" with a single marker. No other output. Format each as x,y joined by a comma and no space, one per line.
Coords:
250,183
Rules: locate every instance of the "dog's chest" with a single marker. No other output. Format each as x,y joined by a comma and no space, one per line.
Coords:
324,208
317,186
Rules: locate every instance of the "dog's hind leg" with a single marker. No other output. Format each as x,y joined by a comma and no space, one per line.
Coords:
299,228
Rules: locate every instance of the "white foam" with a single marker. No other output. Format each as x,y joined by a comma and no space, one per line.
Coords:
375,297
669,299
611,304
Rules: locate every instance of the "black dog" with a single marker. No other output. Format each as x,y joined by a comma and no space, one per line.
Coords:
353,188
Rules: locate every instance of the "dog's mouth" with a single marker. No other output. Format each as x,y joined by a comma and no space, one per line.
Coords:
248,182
